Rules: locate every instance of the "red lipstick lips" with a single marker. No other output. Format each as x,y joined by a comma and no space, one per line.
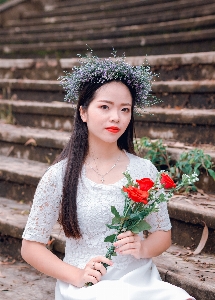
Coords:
113,129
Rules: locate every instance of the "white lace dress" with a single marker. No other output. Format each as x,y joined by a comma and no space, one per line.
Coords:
129,278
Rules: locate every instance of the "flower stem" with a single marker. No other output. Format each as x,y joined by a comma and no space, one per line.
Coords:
111,249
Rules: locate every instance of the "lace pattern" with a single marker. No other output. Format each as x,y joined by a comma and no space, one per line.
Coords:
93,208
46,204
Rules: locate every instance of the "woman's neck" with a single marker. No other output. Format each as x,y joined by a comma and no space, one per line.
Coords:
103,151
105,163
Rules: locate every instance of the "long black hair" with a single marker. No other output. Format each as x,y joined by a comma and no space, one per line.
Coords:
76,151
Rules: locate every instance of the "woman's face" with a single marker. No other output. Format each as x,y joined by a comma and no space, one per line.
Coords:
109,113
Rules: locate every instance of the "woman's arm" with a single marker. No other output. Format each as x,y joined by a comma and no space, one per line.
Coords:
38,256
154,245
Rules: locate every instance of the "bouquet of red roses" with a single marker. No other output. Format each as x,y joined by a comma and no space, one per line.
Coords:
142,197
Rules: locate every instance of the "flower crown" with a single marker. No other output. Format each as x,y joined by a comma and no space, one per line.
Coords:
98,70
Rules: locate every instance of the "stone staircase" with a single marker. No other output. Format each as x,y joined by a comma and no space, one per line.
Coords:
36,125
63,28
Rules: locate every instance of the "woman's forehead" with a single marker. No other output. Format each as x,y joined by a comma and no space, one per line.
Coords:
113,90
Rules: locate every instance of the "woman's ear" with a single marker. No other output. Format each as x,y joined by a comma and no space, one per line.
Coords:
83,114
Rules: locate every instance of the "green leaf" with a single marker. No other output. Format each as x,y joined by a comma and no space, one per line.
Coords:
115,212
162,197
128,224
197,172
110,238
197,166
143,225
135,229
139,216
212,173
193,188
113,226
116,220
207,163
140,226
114,254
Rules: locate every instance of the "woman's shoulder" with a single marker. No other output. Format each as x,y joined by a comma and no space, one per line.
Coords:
139,160
56,171
142,167
61,165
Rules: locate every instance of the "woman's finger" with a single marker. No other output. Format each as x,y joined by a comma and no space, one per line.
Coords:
95,273
102,259
99,267
90,278
124,234
129,251
126,247
129,239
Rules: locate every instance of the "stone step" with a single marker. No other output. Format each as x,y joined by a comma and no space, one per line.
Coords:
16,274
19,177
185,125
55,115
180,94
181,42
174,265
39,90
189,66
31,143
80,3
188,215
193,274
95,12
83,3
78,24
113,32
134,7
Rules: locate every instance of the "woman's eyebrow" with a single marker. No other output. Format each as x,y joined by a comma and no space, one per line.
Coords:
111,102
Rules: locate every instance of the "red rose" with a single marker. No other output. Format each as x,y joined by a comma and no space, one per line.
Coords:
136,194
145,184
167,181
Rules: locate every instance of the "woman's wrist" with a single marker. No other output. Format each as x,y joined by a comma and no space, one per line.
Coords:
155,244
144,253
71,275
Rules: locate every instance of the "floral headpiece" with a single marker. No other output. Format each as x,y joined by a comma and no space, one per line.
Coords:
102,70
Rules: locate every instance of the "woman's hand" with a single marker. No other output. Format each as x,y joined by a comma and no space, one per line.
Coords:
93,271
155,244
129,243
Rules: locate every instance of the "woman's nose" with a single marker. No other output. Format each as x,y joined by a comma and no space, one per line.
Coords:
115,116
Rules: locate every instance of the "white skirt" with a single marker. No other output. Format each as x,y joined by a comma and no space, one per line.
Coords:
135,283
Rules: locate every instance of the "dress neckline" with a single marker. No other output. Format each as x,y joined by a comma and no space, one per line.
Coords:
95,184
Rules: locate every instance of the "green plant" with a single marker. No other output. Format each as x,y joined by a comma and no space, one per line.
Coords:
195,160
154,151
189,162
7,115
3,1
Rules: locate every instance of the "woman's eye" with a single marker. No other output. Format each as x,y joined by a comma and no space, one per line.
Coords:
126,109
104,107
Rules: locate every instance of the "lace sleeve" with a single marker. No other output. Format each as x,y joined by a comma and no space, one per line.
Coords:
45,209
159,220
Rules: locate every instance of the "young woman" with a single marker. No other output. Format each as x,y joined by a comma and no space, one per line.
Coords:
80,187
